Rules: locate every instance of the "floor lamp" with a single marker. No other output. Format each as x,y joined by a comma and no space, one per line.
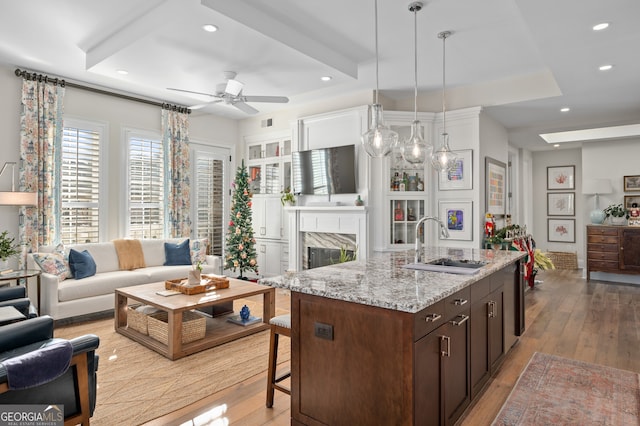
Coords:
597,187
17,198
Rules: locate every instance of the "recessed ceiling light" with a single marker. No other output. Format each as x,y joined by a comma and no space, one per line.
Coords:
122,72
556,145
565,109
210,28
601,26
326,78
605,67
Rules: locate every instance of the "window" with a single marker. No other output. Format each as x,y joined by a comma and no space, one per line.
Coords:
146,186
209,168
80,182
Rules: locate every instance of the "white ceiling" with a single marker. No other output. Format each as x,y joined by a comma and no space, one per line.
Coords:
521,59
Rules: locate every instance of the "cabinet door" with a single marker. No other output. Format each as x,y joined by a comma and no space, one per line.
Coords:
404,214
268,257
496,328
630,250
272,214
479,349
456,392
427,379
255,175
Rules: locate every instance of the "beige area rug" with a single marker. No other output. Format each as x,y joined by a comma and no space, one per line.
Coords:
136,384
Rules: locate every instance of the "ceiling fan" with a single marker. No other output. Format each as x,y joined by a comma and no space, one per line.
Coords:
231,93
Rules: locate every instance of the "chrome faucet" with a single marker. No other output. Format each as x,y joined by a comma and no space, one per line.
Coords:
443,231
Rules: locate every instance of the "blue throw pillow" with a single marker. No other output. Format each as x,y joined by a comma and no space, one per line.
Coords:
81,264
177,254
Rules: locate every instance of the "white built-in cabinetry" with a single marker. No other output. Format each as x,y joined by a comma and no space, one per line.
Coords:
269,168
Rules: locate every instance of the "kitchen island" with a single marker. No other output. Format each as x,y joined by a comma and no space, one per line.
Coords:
376,343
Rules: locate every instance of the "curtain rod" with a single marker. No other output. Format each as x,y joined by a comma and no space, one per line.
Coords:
40,77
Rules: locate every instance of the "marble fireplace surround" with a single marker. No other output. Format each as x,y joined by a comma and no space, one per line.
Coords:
327,227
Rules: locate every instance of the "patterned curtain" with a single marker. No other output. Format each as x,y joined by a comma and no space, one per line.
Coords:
40,143
175,131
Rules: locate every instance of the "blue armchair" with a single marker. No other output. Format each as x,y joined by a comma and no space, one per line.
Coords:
17,297
75,388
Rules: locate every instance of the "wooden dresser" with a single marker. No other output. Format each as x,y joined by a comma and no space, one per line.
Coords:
614,249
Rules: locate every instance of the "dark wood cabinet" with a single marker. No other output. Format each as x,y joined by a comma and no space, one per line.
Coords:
380,366
614,249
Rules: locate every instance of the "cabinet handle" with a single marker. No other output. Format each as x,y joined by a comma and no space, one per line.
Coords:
432,317
263,231
460,302
492,309
463,319
447,351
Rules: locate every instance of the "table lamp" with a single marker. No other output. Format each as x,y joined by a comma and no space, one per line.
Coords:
596,187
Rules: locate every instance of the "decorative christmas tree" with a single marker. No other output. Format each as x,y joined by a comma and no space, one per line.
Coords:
241,252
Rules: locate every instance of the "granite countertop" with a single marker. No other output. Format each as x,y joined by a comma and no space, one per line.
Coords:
382,281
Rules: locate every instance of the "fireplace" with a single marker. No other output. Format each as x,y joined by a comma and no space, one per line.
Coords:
322,256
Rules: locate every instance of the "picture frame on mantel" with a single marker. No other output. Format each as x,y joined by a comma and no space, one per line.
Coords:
495,186
458,218
561,177
461,175
561,230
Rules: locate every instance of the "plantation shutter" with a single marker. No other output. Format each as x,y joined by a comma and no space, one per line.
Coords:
210,200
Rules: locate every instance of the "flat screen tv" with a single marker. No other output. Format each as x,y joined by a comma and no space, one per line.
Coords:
324,171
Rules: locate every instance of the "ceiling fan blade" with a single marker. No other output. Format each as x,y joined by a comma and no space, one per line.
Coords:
273,99
234,87
191,91
200,106
245,108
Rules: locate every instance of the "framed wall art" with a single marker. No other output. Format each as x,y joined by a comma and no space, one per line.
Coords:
561,203
561,230
495,186
458,218
632,183
461,176
630,200
561,177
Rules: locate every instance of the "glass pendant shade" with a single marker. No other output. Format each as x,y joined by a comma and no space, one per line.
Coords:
415,150
443,158
379,140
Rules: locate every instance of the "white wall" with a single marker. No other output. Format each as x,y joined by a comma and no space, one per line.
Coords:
118,114
542,160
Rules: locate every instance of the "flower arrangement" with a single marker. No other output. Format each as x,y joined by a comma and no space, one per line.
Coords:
287,197
542,261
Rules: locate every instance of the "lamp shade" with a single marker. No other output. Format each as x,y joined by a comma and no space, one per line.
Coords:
597,186
17,198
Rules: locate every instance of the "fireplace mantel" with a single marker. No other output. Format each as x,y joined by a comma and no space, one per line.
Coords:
327,219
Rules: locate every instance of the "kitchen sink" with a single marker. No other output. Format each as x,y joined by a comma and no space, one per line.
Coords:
450,266
458,263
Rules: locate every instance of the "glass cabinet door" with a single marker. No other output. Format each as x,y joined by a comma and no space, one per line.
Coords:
255,174
272,149
255,152
404,216
272,178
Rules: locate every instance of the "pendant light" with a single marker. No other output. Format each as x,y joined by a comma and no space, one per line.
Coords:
415,150
379,140
443,158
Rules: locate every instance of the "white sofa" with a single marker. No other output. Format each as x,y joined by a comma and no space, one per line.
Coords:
70,297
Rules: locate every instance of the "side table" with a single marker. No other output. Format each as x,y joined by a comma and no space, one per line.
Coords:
20,275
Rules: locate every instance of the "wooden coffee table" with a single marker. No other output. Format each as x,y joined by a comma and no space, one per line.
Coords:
218,330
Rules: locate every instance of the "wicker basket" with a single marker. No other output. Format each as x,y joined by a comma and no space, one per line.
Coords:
137,320
193,326
563,260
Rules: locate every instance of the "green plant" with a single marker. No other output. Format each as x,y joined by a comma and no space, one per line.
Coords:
345,256
7,246
616,210
287,197
496,239
198,266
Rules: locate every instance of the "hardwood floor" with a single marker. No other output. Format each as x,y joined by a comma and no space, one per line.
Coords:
565,315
